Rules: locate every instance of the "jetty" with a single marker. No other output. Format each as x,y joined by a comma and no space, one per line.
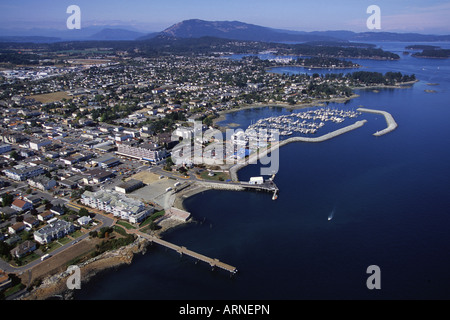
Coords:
391,124
214,263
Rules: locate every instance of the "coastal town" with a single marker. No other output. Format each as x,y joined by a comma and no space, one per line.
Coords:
87,142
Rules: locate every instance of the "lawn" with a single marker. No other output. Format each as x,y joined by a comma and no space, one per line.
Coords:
218,176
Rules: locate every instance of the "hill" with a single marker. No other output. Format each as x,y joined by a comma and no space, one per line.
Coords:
236,30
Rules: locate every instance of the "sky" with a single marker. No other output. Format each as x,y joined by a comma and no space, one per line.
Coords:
425,16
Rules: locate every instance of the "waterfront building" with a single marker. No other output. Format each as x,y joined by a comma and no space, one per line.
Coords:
54,230
118,204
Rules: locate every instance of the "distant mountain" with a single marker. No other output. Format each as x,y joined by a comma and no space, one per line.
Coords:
32,39
235,30
116,34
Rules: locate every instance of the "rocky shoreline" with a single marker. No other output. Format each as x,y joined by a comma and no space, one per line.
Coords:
55,286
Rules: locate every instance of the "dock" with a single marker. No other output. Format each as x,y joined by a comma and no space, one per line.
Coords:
214,263
391,124
255,156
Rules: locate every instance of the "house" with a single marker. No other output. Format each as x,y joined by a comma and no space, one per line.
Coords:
23,249
57,210
5,281
21,205
16,228
46,215
33,199
8,212
84,220
30,222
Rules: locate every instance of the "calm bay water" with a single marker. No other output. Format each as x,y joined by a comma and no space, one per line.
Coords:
390,195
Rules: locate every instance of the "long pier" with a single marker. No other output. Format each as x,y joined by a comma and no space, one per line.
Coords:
184,251
392,125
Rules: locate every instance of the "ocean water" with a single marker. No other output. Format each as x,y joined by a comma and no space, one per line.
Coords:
390,197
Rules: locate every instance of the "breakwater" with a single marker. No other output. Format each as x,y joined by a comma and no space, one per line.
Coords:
392,125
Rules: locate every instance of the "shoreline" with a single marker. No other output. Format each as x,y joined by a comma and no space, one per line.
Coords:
318,102
297,106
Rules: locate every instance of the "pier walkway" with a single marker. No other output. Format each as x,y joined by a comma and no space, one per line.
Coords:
392,125
183,250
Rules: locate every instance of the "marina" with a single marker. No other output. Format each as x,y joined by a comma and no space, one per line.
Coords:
307,122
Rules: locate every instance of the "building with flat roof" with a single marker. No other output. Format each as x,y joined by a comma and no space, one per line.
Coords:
5,148
118,204
146,151
129,186
22,173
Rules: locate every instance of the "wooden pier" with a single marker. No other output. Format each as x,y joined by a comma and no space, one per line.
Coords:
184,251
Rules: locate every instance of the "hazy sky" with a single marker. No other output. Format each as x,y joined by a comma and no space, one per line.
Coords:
425,16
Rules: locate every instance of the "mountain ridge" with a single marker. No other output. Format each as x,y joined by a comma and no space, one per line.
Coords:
236,30
196,28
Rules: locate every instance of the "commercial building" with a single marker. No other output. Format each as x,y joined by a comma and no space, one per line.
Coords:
5,148
129,186
22,173
38,145
147,151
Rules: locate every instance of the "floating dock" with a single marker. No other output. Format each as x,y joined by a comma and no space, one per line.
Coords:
392,125
253,158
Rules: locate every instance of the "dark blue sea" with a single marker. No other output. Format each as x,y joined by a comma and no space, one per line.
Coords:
390,196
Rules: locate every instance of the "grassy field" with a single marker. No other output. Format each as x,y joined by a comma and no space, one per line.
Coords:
51,97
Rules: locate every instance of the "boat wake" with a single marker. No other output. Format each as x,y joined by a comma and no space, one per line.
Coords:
331,215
